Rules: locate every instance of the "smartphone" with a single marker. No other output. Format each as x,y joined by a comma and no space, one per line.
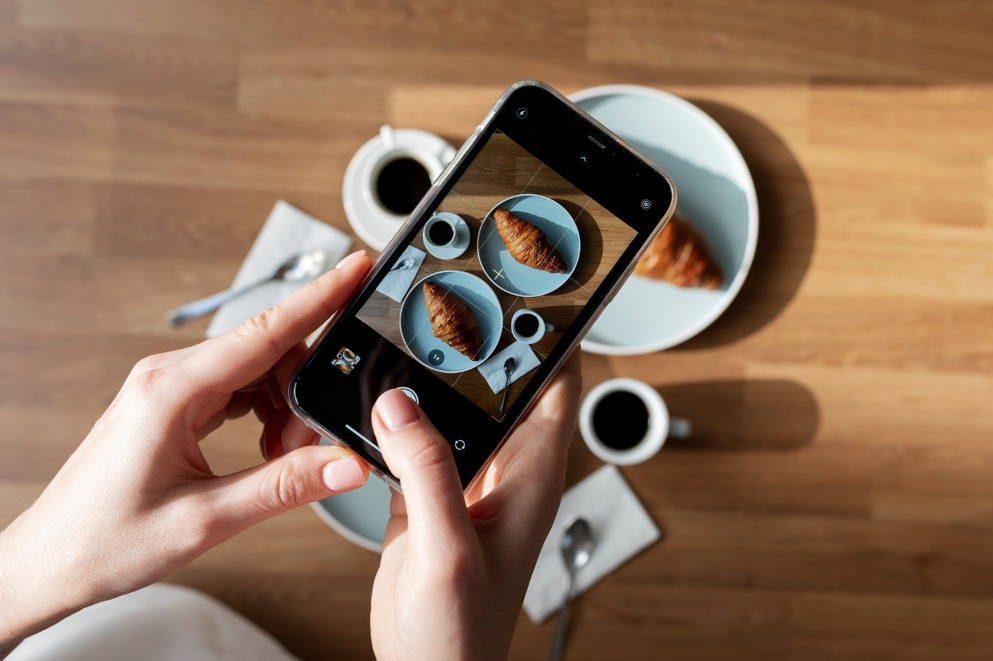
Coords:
492,281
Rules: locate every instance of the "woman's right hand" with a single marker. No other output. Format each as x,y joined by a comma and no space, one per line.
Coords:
455,569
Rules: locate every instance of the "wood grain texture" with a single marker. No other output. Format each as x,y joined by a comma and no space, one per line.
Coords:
836,501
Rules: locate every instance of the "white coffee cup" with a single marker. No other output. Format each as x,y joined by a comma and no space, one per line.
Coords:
660,425
371,219
541,327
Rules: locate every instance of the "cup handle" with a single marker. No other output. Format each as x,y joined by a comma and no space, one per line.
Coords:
386,134
446,155
680,428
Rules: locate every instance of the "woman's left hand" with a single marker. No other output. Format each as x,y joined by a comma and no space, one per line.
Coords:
137,500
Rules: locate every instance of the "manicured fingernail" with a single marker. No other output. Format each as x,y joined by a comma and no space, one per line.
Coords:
396,410
358,254
344,474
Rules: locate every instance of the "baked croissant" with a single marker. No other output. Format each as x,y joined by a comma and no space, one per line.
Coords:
527,244
452,321
679,255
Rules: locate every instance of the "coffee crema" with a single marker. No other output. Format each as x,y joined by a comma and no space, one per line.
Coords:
401,184
620,420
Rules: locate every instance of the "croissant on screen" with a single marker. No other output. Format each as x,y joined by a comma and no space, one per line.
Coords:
679,255
452,321
527,244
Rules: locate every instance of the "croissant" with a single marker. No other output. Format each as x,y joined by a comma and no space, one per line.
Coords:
452,321
679,255
527,244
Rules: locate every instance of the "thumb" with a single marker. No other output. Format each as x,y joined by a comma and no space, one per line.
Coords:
302,476
422,461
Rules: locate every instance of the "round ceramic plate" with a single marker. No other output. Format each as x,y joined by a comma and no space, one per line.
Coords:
716,194
359,516
415,325
506,272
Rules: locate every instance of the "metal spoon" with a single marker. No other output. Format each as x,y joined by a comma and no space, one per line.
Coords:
508,368
299,268
577,548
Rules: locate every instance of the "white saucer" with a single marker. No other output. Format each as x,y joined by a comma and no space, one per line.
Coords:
715,192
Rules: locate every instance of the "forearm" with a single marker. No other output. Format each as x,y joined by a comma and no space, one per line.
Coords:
33,595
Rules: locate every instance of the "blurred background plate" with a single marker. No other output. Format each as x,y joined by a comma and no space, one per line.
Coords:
560,229
715,193
415,324
359,516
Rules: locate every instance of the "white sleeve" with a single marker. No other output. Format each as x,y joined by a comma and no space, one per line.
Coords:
159,623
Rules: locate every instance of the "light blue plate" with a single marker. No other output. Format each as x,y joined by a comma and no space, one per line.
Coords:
359,516
715,192
507,273
415,324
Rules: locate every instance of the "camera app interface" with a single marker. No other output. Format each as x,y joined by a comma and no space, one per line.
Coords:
497,274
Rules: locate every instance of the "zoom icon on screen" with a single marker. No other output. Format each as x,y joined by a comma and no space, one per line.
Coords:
646,204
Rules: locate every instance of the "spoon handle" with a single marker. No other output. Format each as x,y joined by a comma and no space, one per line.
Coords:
562,624
198,308
503,400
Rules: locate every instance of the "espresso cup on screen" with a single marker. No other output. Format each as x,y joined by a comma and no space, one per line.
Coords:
528,327
625,421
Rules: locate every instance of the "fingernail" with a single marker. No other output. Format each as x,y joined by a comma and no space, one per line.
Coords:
344,474
358,254
396,410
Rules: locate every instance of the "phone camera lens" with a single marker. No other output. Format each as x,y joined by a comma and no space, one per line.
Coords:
646,204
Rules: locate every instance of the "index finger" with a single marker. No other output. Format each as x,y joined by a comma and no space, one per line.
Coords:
239,357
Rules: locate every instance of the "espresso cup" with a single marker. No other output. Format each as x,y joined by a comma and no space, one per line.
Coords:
386,179
528,327
446,235
625,421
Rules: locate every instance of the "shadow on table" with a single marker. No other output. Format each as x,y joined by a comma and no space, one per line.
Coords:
787,229
740,415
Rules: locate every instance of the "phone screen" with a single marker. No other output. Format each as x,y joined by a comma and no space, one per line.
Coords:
478,302
461,265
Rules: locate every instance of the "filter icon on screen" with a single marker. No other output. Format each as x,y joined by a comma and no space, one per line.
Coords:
346,360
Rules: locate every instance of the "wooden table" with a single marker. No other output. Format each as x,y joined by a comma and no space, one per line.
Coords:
837,500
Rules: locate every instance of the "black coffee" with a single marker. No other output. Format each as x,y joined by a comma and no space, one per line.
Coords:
620,420
401,185
526,325
441,233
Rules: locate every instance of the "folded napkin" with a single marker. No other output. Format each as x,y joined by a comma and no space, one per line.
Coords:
287,232
492,369
396,283
621,529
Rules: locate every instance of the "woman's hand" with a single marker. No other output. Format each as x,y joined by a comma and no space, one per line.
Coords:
137,500
452,579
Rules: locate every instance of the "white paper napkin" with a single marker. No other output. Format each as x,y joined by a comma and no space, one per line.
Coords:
287,231
396,283
492,369
621,529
